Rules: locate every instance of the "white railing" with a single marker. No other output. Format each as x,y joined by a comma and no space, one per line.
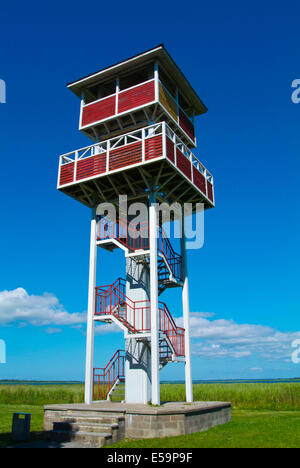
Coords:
188,154
118,93
112,143
161,128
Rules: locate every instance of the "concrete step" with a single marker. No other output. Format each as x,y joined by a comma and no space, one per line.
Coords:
92,439
85,427
97,418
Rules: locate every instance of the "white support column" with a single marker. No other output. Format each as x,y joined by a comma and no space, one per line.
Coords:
117,95
82,102
186,317
89,365
156,81
155,380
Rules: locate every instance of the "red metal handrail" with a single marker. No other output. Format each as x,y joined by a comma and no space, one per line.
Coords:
136,315
125,233
173,259
106,377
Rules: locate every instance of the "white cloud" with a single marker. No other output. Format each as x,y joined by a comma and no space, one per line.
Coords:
211,338
105,328
227,339
52,331
18,306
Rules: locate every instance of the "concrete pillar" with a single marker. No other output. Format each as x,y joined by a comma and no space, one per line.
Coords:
186,317
88,395
138,354
154,301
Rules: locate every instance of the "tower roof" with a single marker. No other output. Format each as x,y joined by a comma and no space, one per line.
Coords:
157,53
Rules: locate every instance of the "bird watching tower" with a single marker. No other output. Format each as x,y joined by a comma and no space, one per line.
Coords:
139,114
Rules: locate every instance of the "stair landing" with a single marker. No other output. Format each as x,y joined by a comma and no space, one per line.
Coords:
106,422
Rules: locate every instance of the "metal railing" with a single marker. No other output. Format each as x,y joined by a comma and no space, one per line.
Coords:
121,93
173,259
106,377
135,239
74,158
136,315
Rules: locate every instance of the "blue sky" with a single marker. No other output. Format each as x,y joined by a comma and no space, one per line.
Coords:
244,287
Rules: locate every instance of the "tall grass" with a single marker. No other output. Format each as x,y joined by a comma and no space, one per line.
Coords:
41,394
255,396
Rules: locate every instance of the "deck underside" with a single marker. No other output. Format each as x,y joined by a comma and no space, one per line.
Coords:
170,185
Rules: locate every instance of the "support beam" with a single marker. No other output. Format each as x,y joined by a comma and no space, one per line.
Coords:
186,316
89,365
154,302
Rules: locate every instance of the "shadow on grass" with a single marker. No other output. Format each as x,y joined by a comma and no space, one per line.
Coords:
37,440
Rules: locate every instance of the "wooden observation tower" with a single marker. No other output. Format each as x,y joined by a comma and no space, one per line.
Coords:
140,114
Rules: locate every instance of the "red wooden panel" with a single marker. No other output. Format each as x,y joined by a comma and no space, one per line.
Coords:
210,191
93,165
66,173
170,149
98,111
135,97
183,163
186,125
153,147
125,156
199,180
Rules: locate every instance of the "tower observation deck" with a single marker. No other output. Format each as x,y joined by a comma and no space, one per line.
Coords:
139,114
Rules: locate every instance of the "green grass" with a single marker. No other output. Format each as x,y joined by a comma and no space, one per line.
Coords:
264,415
256,396
6,414
40,395
248,429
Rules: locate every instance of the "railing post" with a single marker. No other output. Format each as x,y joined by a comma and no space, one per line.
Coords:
186,316
154,302
205,175
75,166
107,155
117,95
88,398
156,81
59,170
164,139
143,144
192,167
81,109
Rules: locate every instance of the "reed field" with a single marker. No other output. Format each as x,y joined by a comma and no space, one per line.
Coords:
264,414
246,396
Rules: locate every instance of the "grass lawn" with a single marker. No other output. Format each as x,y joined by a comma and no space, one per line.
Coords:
264,415
248,429
6,414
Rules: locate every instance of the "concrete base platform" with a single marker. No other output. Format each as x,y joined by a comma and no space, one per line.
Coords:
145,421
